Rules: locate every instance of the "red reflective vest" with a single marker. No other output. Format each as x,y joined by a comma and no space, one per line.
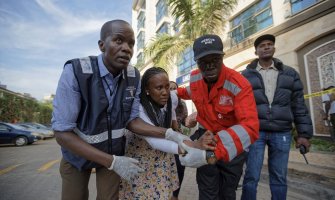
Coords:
228,110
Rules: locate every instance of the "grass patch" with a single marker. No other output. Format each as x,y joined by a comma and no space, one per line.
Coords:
319,144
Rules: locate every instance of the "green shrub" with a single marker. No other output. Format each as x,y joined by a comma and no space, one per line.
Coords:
318,143
15,108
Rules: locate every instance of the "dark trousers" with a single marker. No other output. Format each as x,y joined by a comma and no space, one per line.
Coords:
220,181
332,120
181,171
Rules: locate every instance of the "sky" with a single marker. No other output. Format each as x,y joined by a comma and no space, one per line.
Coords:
38,36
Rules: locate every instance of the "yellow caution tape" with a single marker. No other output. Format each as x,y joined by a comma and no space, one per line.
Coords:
316,94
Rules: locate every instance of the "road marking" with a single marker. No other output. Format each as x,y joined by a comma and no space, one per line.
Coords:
48,165
8,169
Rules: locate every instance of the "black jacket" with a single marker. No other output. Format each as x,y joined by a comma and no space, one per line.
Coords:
288,103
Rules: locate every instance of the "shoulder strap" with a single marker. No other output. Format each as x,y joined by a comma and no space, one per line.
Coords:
85,64
132,75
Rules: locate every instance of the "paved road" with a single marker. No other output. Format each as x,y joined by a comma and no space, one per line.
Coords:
299,188
31,172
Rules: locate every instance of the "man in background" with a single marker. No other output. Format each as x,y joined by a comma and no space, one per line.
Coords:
280,102
329,101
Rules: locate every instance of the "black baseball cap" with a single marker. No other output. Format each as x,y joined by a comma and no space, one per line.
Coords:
207,44
264,37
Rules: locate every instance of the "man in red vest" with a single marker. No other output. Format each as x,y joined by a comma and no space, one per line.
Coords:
226,108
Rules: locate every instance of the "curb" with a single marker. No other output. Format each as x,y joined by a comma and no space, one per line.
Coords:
320,164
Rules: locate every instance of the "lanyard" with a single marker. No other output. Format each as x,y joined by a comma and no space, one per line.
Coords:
109,118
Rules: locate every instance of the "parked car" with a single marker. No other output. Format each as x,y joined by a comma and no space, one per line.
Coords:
34,131
43,132
13,134
37,125
49,132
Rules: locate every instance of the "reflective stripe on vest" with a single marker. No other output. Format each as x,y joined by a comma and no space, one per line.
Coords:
195,78
228,143
231,87
101,137
86,65
188,89
243,135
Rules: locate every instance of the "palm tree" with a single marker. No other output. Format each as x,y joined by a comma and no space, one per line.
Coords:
195,18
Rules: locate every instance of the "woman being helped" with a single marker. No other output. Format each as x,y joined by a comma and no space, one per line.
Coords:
155,155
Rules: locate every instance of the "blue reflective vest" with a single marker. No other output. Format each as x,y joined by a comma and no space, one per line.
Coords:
101,128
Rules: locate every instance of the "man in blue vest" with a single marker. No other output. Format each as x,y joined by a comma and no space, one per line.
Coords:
97,98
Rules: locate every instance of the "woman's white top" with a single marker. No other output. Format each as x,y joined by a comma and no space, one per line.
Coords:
161,144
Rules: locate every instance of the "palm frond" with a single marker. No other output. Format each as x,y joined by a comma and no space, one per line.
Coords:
195,18
164,49
181,10
213,14
157,45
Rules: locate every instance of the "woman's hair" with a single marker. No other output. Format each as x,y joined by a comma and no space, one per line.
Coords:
148,104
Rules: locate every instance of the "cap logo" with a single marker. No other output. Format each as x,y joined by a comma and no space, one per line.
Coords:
208,41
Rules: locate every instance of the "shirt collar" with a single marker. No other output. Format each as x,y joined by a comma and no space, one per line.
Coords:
103,69
272,66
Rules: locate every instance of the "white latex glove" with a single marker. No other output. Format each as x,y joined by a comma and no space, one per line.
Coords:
194,157
175,136
125,167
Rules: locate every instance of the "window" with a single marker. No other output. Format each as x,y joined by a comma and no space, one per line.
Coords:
186,63
299,5
143,5
326,65
140,40
254,19
161,10
3,128
141,20
165,28
140,58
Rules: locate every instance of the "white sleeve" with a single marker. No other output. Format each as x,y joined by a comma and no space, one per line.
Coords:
325,98
174,100
160,144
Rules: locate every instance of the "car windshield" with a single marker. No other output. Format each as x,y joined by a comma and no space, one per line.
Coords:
27,126
40,125
16,126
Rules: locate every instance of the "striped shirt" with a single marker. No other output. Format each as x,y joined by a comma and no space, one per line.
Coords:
269,76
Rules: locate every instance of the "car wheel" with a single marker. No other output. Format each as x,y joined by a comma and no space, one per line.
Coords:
21,141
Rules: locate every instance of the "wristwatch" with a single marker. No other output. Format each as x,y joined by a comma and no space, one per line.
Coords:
210,157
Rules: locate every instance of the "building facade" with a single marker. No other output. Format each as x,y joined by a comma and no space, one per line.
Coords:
150,18
305,40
